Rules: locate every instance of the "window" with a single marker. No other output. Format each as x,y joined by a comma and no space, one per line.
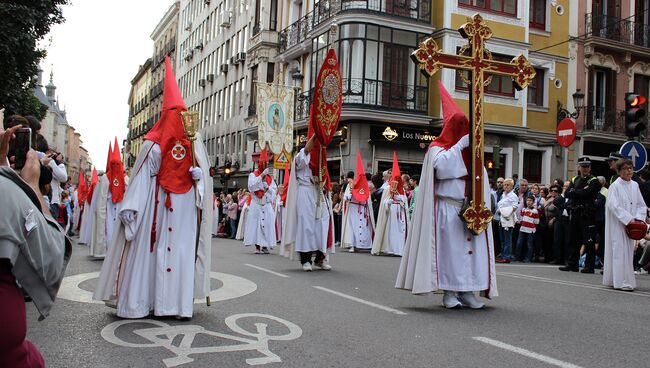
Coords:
270,72
536,89
538,14
532,166
253,96
273,21
508,7
642,87
499,85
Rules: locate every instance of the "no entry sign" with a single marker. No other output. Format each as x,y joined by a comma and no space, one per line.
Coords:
566,132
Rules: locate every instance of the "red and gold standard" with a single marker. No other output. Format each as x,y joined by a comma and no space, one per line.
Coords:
476,59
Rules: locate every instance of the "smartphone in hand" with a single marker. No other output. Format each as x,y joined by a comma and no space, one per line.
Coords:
21,144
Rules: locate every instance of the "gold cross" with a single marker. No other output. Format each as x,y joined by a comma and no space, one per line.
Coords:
479,63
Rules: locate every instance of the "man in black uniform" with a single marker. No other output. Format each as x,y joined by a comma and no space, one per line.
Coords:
611,161
582,192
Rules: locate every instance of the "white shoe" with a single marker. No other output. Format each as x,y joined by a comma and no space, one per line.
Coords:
450,301
351,250
324,266
468,299
306,267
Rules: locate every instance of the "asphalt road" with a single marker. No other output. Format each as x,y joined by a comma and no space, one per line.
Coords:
267,311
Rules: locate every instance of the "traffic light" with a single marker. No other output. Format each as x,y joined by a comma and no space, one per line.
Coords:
227,169
633,114
490,164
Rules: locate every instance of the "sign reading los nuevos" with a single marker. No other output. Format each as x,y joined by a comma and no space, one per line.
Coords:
397,134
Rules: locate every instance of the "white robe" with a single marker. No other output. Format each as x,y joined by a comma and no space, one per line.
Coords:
215,218
243,216
260,221
303,232
279,217
440,252
76,215
624,203
358,222
166,276
98,239
112,212
390,233
87,220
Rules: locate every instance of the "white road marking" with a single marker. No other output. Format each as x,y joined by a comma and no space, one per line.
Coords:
164,334
232,287
573,283
524,352
266,270
358,300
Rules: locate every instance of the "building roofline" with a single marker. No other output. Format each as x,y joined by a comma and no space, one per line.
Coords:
165,20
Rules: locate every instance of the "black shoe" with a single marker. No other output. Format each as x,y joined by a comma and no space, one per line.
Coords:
587,270
567,268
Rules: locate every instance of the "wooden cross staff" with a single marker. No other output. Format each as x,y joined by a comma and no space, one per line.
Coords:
478,63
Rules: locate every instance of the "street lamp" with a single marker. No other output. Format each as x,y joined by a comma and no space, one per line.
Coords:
578,103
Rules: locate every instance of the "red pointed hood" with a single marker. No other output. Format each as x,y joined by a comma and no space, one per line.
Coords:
396,183
285,185
360,188
108,161
82,189
263,162
93,182
116,175
168,132
454,122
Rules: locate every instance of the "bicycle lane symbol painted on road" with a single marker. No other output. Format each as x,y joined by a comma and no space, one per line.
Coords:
232,287
164,334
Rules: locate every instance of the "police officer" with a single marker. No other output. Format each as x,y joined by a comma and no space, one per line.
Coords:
582,192
611,161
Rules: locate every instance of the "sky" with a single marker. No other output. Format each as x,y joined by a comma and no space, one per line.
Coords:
95,54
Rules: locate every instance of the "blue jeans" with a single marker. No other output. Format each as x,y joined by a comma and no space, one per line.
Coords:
233,228
529,238
506,243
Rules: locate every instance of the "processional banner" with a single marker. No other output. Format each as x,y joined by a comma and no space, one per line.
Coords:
275,121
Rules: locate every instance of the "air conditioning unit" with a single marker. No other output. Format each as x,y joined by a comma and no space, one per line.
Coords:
241,57
210,78
199,46
233,59
206,2
225,18
188,27
202,82
189,53
224,68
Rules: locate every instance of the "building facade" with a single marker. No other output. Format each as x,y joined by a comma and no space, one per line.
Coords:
214,77
612,57
140,113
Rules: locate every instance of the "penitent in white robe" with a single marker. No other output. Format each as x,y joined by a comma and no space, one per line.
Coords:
260,221
303,231
624,204
112,212
440,252
98,239
215,218
358,222
390,233
279,217
166,275
241,226
85,232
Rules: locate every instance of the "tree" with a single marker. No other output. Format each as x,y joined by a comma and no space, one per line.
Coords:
24,24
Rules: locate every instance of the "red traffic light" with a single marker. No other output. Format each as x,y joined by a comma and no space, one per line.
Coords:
490,164
637,100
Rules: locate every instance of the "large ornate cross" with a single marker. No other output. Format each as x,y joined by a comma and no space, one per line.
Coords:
478,63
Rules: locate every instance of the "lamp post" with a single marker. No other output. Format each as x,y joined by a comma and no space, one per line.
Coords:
578,101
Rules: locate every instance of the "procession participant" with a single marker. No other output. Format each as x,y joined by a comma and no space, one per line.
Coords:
260,222
117,186
307,232
98,237
247,197
89,208
215,217
159,259
624,204
392,225
358,217
79,201
280,203
440,252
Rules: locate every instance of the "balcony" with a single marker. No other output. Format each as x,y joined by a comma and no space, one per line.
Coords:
605,120
616,33
374,95
299,31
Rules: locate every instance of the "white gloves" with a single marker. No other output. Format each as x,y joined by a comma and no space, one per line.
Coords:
197,173
265,172
463,142
127,216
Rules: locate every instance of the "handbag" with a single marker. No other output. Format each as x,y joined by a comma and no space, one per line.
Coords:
636,229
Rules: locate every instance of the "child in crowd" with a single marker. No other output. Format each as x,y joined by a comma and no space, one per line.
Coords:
529,222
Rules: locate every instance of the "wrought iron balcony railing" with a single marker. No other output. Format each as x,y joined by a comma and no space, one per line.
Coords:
298,31
616,29
380,95
602,119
